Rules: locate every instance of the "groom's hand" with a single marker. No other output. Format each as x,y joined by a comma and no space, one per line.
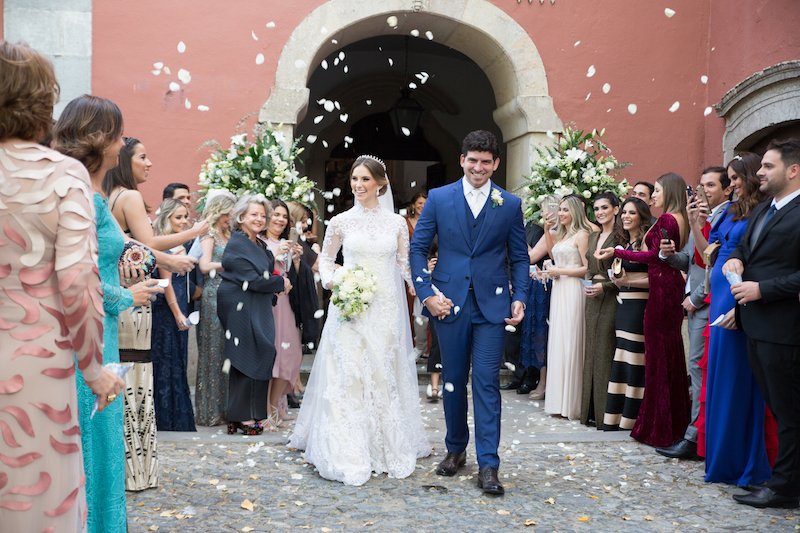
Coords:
517,313
438,305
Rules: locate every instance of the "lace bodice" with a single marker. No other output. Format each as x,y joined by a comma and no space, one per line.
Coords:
375,239
566,253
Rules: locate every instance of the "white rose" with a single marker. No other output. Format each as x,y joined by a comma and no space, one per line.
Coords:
557,183
587,194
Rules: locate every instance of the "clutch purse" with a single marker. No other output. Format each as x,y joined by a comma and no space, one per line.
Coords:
616,267
135,255
710,253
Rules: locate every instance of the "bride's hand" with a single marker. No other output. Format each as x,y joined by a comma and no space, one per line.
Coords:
411,290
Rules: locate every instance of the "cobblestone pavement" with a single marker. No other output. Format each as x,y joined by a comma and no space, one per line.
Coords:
559,476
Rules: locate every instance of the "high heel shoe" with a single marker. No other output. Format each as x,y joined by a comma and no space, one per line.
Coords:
233,427
247,429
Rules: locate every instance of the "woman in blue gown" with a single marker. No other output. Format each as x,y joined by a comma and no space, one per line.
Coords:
735,448
170,336
96,143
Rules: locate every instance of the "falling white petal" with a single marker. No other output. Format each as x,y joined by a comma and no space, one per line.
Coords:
253,35
239,306
510,328
260,59
512,367
456,309
167,70
406,131
449,387
286,345
202,107
185,76
318,119
181,47
270,24
245,285
498,291
158,64
429,35
414,33
674,107
335,61
236,341
403,212
324,64
591,71
319,313
330,208
226,366
577,43
704,79
707,111
337,105
413,184
348,139
343,117
588,95
412,85
632,108
187,104
336,190
325,144
228,334
369,102
310,345
328,106
606,88
346,69
391,62
669,12
311,139
418,279
391,21
174,86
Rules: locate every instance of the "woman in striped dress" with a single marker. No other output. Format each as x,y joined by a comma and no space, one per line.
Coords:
626,384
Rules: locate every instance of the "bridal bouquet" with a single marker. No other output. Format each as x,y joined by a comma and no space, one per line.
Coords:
577,163
353,290
262,165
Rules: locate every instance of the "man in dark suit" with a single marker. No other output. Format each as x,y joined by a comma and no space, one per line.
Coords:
768,260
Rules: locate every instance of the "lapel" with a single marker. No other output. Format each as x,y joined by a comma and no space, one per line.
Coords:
774,220
491,212
460,210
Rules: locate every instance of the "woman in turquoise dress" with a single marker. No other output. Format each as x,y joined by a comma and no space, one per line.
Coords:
735,409
96,143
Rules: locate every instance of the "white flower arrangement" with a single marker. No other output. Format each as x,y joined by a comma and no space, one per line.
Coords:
264,166
497,198
353,290
577,163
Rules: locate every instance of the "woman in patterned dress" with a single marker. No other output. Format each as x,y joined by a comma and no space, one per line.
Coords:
49,280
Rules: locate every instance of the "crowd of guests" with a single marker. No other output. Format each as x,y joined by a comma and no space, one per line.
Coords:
600,342
620,286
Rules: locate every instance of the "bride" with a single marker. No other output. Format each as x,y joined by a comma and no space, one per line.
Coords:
360,412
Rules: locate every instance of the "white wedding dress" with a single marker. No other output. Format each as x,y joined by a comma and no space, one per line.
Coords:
361,409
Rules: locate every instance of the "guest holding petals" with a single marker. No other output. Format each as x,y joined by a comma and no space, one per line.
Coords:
664,412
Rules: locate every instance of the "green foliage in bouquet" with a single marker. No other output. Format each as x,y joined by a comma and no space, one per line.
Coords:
576,163
264,166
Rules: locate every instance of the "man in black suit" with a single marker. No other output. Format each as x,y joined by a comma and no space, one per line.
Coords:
768,259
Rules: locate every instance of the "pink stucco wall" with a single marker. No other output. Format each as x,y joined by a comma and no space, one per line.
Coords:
648,59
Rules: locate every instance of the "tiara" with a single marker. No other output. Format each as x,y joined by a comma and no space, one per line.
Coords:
374,158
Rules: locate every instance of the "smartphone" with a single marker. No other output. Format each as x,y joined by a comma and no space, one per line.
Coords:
664,234
293,235
689,191
701,194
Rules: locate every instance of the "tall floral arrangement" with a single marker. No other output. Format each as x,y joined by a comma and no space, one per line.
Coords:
264,165
576,163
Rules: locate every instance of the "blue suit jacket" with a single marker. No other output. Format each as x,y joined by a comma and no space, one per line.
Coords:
500,250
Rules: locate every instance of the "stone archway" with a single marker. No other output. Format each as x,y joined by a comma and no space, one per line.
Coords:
763,100
476,28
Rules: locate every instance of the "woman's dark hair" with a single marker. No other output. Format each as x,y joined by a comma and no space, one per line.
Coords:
414,201
275,204
745,166
643,210
28,91
122,174
86,127
617,233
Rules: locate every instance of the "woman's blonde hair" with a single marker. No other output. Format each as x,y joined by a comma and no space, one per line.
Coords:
577,210
28,92
222,203
673,190
161,225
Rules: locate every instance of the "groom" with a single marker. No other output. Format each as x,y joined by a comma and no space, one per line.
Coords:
469,298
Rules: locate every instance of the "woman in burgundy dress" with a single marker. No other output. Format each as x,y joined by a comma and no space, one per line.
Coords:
664,413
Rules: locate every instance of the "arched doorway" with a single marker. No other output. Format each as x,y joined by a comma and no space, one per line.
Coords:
500,48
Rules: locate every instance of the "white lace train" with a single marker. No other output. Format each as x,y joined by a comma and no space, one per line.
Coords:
361,409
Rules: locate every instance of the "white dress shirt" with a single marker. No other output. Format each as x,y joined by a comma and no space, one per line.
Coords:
476,198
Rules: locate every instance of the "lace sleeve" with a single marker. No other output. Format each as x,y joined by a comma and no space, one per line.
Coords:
331,245
116,299
402,253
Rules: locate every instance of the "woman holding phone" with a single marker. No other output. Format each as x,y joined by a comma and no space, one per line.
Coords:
664,413
289,348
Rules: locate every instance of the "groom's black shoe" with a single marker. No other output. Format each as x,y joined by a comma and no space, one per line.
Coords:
487,480
451,463
683,449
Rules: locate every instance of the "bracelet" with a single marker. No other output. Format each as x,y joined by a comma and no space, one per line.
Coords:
172,302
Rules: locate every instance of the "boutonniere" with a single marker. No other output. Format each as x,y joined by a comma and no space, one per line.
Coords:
497,198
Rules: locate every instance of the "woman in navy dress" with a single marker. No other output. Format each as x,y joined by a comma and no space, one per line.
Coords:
735,446
170,337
